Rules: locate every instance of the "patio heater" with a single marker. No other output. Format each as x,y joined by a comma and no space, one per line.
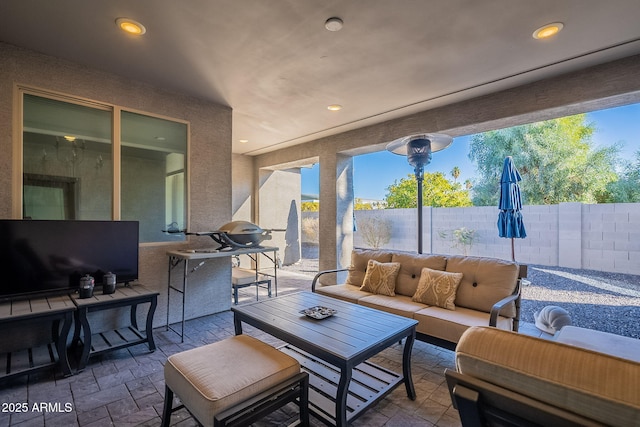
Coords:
418,149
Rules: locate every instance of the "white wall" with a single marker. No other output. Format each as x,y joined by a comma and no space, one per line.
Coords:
279,209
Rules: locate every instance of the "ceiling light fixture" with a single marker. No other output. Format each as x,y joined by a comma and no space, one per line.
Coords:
131,26
333,24
548,30
243,141
334,107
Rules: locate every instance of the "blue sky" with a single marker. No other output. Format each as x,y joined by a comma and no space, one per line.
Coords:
373,173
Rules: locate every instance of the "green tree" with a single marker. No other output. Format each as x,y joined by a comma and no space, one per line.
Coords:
627,188
468,184
359,205
455,173
556,159
437,191
310,206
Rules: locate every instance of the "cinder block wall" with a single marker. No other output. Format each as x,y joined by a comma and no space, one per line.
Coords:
596,237
611,237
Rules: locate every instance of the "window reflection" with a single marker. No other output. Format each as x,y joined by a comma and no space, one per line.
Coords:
68,166
152,179
66,154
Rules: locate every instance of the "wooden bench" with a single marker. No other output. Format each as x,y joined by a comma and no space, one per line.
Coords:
33,314
97,343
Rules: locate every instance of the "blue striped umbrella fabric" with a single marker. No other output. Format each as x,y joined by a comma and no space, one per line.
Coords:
510,222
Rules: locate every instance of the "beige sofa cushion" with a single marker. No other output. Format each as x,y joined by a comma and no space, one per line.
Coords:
380,277
485,281
594,385
437,288
411,266
450,325
214,377
399,304
349,293
359,260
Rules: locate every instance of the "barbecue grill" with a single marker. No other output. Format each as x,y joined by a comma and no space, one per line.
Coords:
237,235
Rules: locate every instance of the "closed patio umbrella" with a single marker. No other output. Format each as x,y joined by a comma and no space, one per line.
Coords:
510,223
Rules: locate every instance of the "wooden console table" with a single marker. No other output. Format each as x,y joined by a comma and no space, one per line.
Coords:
202,255
126,296
58,311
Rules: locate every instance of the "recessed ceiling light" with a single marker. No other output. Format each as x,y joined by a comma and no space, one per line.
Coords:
334,107
548,30
70,138
131,26
243,141
333,24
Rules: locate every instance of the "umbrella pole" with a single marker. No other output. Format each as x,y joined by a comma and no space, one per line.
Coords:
513,251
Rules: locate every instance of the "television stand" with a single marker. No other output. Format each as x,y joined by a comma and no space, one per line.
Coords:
102,342
15,315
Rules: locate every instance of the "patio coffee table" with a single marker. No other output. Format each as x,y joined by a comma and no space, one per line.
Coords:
334,350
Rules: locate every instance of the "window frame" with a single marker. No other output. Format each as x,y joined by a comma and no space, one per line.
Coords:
116,145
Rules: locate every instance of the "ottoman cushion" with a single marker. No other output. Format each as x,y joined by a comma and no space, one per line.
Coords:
214,377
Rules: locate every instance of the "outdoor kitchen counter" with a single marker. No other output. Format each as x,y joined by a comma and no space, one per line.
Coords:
184,256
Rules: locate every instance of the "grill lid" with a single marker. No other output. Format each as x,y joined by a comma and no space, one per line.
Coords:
241,227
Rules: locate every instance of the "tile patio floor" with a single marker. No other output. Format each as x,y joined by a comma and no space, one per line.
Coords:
126,387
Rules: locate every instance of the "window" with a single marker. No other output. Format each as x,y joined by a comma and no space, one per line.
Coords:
75,168
152,175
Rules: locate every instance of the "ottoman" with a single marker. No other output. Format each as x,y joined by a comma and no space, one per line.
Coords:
234,382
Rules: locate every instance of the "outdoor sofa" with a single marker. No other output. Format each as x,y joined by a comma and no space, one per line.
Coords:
508,379
487,291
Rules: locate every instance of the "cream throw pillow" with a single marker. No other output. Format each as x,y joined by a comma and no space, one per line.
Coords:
437,288
380,277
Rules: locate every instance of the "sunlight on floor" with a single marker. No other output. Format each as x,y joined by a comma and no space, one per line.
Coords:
595,283
577,296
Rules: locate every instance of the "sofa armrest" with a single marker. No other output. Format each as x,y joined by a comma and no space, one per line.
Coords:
497,308
321,273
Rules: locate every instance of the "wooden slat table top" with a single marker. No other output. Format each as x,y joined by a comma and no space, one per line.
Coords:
352,332
10,310
121,293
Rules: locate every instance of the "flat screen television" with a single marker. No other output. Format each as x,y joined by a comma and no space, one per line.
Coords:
50,256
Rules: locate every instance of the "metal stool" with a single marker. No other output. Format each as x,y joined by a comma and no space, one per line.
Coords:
241,278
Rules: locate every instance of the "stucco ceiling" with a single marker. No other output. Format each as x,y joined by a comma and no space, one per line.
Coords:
278,68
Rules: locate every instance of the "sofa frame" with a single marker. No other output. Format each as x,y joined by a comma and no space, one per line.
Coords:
480,403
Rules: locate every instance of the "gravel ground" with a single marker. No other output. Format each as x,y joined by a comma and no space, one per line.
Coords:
608,302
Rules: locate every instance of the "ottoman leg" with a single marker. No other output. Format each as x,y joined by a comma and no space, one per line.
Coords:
168,403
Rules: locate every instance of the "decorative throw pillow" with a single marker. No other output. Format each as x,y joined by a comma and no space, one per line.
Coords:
437,288
380,277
